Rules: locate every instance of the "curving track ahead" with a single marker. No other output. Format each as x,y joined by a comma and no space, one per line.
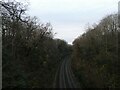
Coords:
64,77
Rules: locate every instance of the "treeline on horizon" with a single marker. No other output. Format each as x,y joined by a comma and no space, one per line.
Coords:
31,55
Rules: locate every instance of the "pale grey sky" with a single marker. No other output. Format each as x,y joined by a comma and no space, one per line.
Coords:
70,17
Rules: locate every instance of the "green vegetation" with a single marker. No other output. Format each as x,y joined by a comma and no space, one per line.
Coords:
96,61
30,54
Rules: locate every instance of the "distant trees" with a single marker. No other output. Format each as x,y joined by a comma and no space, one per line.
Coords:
96,59
30,54
63,48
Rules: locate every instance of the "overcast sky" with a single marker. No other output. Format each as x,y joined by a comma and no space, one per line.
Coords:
69,18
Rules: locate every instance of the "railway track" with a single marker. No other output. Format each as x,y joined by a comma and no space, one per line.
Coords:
64,76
